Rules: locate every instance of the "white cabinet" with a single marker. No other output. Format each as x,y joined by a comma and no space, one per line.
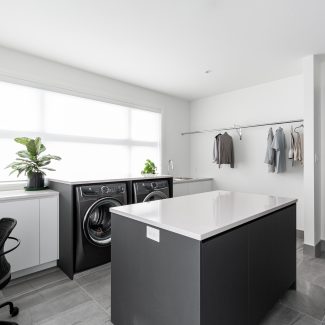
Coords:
37,229
197,186
181,189
27,230
200,187
48,229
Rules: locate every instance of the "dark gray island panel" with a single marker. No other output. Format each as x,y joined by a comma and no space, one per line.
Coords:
272,255
153,283
224,275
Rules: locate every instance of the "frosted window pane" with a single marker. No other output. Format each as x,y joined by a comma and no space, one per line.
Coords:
89,161
19,107
140,154
71,115
145,125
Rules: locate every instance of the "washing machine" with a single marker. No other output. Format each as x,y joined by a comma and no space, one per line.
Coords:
93,224
150,190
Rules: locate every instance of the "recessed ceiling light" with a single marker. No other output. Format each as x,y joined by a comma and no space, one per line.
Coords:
207,71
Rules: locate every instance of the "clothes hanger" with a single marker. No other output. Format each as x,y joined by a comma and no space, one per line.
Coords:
298,127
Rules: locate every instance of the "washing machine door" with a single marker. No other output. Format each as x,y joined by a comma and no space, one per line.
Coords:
155,195
97,221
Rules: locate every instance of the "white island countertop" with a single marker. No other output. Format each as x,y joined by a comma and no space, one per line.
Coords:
201,216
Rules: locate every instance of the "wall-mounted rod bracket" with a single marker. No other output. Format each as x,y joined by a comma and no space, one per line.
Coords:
238,130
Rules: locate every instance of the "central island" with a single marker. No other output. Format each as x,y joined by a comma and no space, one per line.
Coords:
215,258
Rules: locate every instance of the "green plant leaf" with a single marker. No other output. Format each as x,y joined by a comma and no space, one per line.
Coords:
38,143
31,148
42,148
49,157
44,163
22,140
23,154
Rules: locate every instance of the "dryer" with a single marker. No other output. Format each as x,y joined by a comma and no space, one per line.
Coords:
93,224
151,190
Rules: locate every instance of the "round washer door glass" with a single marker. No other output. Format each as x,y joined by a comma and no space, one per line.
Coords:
97,221
155,195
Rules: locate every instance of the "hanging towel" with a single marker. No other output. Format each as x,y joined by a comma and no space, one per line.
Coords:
292,147
226,150
298,152
270,153
216,152
279,146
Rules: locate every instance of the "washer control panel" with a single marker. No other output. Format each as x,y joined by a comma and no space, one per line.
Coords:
103,189
149,186
115,189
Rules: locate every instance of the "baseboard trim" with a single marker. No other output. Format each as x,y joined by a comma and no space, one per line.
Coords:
314,251
34,269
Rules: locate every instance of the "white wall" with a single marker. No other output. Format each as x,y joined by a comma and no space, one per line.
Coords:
274,101
30,70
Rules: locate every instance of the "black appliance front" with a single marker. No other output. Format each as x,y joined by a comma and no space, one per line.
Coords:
93,224
151,190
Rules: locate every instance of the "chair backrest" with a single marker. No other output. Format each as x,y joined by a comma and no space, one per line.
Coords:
6,227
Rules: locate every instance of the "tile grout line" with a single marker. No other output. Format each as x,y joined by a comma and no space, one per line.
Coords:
93,299
63,313
302,313
31,290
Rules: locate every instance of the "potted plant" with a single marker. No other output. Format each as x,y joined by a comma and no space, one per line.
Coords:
149,168
32,163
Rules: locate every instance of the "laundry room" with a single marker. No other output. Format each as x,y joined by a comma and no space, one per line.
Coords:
162,162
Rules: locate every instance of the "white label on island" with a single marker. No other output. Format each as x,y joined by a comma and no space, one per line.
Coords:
153,233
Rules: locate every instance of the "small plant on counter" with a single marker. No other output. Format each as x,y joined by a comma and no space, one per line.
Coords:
32,163
149,168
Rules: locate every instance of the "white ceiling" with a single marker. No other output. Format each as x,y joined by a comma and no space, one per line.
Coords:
166,45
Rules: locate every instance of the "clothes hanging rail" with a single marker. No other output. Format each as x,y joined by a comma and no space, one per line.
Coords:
239,127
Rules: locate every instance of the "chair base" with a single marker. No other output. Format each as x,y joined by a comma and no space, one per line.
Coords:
14,311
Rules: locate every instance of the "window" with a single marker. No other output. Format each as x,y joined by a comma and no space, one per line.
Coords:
95,139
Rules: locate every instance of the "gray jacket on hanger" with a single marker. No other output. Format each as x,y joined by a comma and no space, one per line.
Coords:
226,150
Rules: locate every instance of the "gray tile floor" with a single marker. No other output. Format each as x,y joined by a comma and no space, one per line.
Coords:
49,297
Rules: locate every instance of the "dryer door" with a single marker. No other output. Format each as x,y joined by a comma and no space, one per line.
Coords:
97,221
155,195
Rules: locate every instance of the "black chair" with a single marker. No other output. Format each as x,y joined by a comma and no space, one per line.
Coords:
6,227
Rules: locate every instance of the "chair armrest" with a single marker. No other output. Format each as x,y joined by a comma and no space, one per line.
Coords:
11,249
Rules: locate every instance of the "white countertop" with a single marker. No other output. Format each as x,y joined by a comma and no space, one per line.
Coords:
203,215
22,194
114,178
